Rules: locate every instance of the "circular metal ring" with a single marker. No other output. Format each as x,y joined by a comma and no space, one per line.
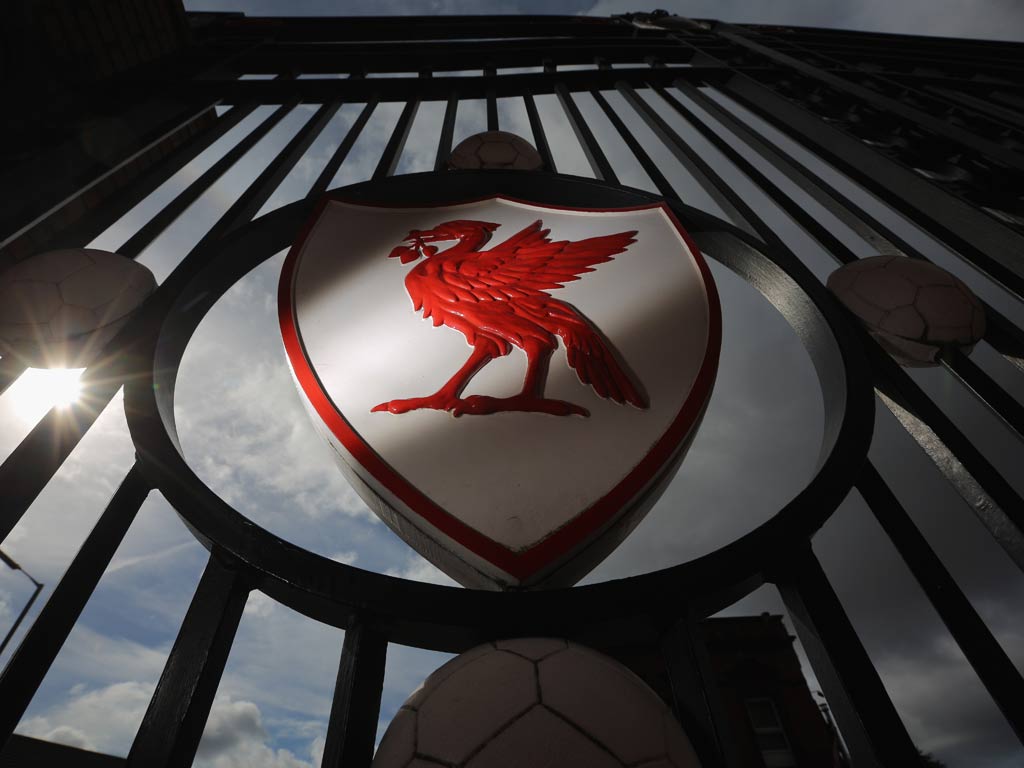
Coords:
450,618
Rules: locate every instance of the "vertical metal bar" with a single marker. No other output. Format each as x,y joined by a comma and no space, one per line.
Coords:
727,198
352,727
1001,403
649,166
492,99
117,206
331,169
393,151
807,222
695,695
170,212
21,616
995,670
127,161
539,137
10,369
867,718
1003,155
591,148
249,204
1003,513
992,247
30,466
177,713
444,143
987,493
46,636
1001,333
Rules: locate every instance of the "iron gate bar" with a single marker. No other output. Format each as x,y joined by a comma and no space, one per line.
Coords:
805,221
167,215
31,465
816,230
1006,337
976,382
90,227
492,99
870,725
177,713
992,499
695,700
444,142
540,139
845,72
15,227
392,153
262,187
990,246
990,662
352,726
1016,119
988,392
330,170
591,149
730,201
649,166
37,651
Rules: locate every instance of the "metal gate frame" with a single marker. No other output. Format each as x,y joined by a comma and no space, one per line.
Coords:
955,179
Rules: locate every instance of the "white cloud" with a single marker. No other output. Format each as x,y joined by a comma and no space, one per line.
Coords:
235,737
104,719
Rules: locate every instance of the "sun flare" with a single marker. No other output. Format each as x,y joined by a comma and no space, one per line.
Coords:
38,390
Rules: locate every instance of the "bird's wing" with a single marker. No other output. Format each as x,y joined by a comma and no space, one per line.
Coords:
529,264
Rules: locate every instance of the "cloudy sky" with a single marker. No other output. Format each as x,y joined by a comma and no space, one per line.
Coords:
244,430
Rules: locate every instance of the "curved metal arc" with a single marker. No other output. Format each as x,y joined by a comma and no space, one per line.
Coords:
449,618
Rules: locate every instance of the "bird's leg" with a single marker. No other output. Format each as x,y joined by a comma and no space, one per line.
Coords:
531,399
447,397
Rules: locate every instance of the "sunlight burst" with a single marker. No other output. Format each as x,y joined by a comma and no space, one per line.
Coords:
39,389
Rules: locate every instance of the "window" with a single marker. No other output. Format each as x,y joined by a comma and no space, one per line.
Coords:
771,738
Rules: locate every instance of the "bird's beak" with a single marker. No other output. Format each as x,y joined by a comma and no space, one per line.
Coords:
404,252
412,252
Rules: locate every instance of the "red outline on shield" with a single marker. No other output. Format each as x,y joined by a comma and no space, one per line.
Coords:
523,564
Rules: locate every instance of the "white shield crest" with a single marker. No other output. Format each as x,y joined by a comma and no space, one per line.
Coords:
508,385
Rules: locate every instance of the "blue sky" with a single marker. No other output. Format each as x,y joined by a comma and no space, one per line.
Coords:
243,429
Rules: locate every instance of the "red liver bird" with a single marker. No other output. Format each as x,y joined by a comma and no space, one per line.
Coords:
498,299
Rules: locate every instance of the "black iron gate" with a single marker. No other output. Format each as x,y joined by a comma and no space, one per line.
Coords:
932,129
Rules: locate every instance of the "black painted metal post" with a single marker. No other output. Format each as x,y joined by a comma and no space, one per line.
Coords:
994,668
444,142
696,699
353,725
492,99
98,220
46,636
29,467
867,718
170,212
591,148
540,139
393,151
177,713
330,170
